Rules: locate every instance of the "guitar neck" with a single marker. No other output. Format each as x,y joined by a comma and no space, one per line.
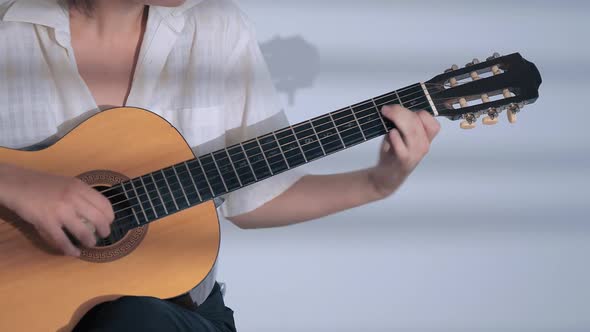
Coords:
192,182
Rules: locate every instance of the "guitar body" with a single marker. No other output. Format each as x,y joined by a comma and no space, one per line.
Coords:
41,290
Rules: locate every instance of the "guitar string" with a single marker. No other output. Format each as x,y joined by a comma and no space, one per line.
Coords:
348,108
154,212
360,131
146,207
308,122
216,178
219,180
280,146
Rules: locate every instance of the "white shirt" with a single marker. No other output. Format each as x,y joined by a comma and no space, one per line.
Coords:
199,67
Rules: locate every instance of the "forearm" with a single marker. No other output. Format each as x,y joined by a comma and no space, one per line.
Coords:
313,197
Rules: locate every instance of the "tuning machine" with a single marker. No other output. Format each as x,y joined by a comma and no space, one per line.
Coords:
473,62
511,112
453,68
491,118
469,121
494,56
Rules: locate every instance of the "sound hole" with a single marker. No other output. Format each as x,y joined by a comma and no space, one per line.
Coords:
124,219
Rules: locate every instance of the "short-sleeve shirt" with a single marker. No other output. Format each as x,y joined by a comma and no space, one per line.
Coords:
199,67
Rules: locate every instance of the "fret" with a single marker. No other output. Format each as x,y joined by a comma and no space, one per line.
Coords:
264,156
309,141
337,131
233,167
358,123
180,182
329,137
380,115
226,170
159,194
256,159
291,148
190,174
386,99
147,191
317,136
212,173
241,164
173,182
349,130
370,120
139,199
281,148
165,191
399,99
273,154
414,98
197,172
220,174
131,204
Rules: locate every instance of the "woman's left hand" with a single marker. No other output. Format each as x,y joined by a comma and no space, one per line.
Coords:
403,148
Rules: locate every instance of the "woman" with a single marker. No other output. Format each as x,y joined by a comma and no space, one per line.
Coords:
197,64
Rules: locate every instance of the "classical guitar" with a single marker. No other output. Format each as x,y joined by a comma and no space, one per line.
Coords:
165,237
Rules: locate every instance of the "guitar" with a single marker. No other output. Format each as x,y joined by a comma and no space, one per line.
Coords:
165,237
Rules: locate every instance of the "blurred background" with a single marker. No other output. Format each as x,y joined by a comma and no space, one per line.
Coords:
491,232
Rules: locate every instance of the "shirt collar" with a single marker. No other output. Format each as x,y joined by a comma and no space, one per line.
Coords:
50,13
53,13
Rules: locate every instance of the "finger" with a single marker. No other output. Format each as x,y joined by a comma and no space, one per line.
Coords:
77,227
398,147
100,202
86,210
430,124
58,237
409,124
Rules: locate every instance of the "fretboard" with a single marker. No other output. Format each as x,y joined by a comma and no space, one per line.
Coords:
164,192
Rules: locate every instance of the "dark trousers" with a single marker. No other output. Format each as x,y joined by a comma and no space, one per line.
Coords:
131,313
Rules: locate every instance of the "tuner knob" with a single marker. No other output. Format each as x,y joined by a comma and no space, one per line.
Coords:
494,56
467,125
512,110
453,68
474,62
491,118
469,122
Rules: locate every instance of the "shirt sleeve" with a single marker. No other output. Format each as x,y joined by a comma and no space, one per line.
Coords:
255,110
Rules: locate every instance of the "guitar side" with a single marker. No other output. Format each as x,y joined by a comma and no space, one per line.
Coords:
42,290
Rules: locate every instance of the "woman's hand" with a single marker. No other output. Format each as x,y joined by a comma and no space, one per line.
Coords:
52,203
403,148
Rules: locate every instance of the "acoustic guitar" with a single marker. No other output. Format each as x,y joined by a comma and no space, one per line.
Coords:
165,236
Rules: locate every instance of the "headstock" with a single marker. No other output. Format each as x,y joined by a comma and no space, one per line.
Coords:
501,83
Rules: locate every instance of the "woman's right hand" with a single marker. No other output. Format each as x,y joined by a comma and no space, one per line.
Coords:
52,203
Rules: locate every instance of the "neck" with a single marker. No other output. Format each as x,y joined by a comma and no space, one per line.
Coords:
109,18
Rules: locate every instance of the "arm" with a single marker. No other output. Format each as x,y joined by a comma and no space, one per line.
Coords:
315,196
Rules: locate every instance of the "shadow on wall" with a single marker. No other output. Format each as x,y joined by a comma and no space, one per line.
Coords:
293,63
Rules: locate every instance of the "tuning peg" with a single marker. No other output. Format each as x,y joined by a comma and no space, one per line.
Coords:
453,68
491,118
469,122
473,62
494,56
511,112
